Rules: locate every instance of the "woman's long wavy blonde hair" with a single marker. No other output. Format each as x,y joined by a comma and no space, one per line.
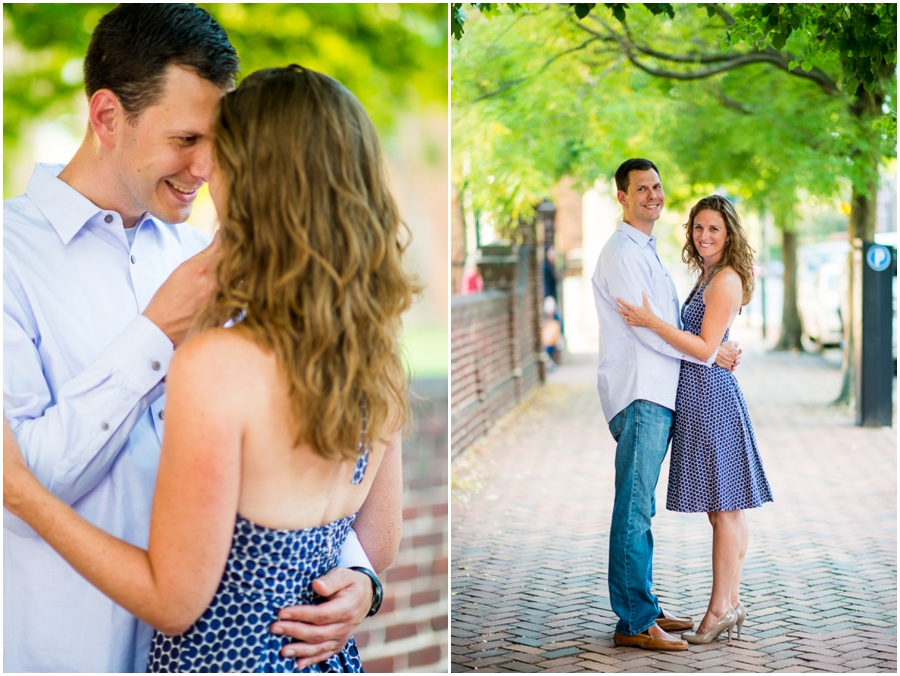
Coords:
311,253
738,253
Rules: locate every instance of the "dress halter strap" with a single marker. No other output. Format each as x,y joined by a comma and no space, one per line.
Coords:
362,448
700,285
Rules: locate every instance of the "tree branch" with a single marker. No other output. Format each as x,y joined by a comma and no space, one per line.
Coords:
733,104
734,60
499,90
612,37
513,83
697,58
726,17
692,75
728,61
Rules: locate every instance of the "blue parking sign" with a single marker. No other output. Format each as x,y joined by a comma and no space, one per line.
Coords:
878,257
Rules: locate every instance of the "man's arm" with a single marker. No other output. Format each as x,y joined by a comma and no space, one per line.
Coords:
172,582
70,438
323,630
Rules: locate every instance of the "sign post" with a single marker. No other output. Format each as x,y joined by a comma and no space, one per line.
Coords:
875,267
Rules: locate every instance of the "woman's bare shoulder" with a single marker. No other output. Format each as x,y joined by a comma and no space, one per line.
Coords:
219,357
727,282
221,344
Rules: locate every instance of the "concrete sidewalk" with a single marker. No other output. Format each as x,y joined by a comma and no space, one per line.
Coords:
530,533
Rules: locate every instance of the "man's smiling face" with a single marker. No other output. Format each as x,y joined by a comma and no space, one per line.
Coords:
165,155
644,200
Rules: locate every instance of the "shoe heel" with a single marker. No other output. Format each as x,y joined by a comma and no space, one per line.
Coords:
729,633
741,616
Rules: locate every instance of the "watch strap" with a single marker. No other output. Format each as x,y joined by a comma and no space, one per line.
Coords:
377,589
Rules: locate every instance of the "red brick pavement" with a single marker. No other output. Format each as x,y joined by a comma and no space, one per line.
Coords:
530,519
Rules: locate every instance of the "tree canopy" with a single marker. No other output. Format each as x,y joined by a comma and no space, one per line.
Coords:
393,57
554,92
771,102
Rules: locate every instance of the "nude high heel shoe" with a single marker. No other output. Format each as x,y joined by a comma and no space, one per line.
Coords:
727,621
741,613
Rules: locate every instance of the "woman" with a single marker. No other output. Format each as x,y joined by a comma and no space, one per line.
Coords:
715,466
276,427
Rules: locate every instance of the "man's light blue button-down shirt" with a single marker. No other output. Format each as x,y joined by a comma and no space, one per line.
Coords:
635,363
83,391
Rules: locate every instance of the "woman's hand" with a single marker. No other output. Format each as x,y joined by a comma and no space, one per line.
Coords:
17,477
637,316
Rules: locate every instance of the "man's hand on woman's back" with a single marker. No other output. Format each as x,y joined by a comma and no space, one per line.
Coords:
322,630
729,355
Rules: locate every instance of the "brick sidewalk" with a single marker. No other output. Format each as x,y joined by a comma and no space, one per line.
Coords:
530,519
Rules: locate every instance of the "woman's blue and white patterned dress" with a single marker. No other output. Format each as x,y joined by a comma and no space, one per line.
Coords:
715,465
267,570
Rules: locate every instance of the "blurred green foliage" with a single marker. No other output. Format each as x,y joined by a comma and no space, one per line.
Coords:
392,56
539,94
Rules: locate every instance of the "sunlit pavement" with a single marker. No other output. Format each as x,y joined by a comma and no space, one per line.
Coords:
530,518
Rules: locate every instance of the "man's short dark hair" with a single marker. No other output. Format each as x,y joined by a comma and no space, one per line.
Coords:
634,164
134,44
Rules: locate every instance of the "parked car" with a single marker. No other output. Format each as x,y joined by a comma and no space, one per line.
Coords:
819,287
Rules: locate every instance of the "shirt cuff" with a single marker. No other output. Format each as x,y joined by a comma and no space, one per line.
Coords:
352,554
141,354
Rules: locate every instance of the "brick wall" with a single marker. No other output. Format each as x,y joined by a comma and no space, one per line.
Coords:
495,349
410,633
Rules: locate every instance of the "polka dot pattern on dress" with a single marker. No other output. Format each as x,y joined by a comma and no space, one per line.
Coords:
715,464
267,570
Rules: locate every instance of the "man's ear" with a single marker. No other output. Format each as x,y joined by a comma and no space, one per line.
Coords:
620,195
106,115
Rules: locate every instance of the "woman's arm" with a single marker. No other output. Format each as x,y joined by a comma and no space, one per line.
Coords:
723,300
380,519
194,507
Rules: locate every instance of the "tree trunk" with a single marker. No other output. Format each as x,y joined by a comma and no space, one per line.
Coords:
861,226
863,207
790,318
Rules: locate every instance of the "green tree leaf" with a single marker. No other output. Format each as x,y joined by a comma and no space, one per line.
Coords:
661,8
582,9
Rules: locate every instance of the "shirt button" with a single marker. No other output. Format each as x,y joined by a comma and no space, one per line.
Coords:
161,414
108,218
132,258
104,426
155,365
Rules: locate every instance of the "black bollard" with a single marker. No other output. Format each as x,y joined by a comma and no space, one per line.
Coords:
875,266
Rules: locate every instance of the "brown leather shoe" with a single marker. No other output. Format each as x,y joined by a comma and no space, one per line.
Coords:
652,639
669,622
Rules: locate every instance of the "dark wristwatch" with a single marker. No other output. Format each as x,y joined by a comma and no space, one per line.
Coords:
377,589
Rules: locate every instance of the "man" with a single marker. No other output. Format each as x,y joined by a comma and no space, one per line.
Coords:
101,284
637,380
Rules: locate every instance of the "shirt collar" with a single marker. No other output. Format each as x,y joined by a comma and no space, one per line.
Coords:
67,210
639,237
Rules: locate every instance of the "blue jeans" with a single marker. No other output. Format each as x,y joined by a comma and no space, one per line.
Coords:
642,432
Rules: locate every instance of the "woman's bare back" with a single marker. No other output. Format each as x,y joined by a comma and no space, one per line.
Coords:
283,485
